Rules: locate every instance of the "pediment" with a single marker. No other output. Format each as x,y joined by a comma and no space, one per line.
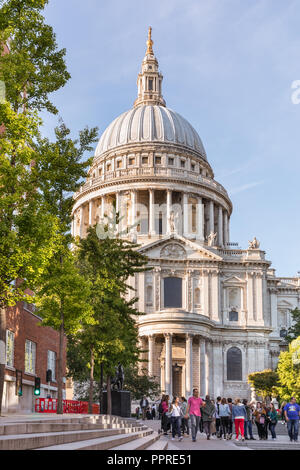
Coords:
233,280
175,246
284,303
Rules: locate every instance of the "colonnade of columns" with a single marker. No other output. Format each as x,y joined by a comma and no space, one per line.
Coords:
204,360
199,217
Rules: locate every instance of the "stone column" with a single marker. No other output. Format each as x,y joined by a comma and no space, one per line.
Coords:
189,364
169,206
259,298
208,369
274,319
211,226
185,215
81,226
202,353
150,354
220,226
250,312
168,363
226,238
200,220
133,208
102,210
151,213
90,212
218,368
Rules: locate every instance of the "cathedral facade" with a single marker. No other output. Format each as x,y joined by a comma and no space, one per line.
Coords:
213,312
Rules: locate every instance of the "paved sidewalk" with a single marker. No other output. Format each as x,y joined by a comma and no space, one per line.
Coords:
282,442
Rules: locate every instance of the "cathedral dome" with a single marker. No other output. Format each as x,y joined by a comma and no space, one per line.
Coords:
150,123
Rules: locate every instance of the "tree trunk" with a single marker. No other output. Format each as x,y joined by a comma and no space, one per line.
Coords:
101,390
60,368
91,391
2,351
108,389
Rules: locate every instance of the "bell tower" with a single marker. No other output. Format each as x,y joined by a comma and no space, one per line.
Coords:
149,80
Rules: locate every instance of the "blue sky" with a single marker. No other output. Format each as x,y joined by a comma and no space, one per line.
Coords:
228,68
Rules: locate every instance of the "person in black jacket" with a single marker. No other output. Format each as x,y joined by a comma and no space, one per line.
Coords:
144,405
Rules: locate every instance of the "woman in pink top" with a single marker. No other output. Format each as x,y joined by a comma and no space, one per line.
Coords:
165,421
193,409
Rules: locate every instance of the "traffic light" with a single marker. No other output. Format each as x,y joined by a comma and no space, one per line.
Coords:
37,386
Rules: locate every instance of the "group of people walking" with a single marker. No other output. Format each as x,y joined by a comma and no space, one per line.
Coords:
217,418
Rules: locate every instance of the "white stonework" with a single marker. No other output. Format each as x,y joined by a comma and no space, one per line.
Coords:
151,163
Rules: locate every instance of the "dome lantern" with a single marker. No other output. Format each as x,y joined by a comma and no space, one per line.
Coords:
149,80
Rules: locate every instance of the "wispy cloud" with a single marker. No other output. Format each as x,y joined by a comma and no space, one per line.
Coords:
244,187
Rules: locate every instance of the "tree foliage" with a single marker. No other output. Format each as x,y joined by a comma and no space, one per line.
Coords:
294,331
34,66
264,382
289,376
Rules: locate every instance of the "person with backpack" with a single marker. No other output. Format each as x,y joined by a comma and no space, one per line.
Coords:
239,416
224,413
218,419
248,422
184,421
229,401
208,411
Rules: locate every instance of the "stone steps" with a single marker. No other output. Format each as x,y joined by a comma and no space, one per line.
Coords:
139,444
97,432
102,443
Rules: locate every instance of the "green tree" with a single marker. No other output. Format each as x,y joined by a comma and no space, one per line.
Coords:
107,263
34,66
294,331
28,233
60,170
289,376
264,382
140,384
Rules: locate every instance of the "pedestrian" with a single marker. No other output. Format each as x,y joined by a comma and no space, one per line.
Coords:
224,413
165,421
239,415
282,412
153,411
184,421
176,415
194,410
218,419
137,412
292,413
273,419
229,401
248,422
148,413
144,405
260,420
208,412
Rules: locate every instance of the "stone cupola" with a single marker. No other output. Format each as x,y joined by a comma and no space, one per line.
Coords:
149,80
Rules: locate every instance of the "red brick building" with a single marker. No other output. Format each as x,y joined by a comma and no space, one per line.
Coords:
31,349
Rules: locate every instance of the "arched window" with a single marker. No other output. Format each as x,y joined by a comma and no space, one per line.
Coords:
234,364
233,315
173,292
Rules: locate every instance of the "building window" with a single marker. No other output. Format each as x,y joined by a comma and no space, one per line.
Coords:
233,315
29,307
234,364
119,163
171,161
10,345
157,160
51,363
149,295
283,333
30,355
182,163
193,166
131,161
108,167
173,292
197,296
150,84
144,160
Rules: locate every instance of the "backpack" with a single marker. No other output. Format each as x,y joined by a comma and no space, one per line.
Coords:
160,408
